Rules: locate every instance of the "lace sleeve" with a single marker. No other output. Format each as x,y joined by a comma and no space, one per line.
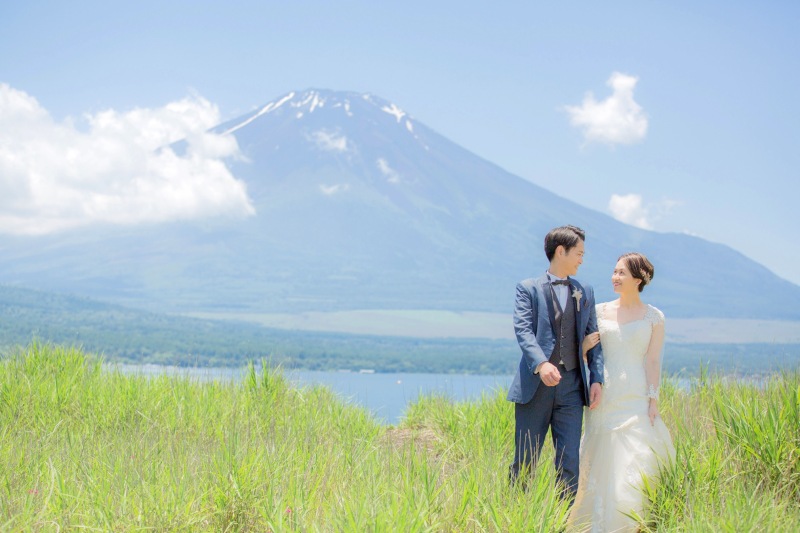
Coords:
654,315
599,310
652,359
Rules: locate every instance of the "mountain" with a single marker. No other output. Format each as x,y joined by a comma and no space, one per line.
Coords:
359,206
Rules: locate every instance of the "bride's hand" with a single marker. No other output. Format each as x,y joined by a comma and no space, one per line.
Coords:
589,342
653,411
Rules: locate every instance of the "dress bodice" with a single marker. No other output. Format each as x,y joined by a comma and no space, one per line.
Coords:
624,349
626,344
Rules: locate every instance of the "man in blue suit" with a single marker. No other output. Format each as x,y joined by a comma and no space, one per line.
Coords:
552,316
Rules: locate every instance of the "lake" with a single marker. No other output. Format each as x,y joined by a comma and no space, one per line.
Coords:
384,395
387,395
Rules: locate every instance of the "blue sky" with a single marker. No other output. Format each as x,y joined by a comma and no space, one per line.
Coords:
677,116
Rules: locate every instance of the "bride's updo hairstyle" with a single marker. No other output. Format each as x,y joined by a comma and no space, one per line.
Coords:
639,267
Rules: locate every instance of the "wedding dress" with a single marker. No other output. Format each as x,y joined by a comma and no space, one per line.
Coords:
619,444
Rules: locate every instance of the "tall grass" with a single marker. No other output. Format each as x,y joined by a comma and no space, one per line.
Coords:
84,448
738,457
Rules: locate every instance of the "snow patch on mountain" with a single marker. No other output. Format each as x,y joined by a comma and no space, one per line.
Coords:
329,141
272,106
395,111
330,190
313,100
391,175
345,105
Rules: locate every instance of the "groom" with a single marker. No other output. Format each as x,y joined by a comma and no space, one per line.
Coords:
552,315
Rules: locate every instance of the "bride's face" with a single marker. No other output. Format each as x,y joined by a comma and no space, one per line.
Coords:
622,280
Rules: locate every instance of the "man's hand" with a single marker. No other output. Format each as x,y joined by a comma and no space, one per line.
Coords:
549,374
595,394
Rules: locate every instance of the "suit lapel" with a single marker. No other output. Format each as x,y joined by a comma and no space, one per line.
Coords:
573,286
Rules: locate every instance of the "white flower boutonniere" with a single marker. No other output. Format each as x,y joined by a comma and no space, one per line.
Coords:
577,294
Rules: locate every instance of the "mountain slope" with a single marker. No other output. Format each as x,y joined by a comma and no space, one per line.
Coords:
360,205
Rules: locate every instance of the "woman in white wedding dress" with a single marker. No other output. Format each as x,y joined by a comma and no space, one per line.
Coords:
624,437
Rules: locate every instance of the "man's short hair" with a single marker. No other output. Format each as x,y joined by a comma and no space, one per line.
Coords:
566,236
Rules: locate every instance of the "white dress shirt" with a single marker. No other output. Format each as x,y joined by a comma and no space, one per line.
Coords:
562,291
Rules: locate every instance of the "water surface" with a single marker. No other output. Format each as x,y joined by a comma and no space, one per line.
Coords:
386,396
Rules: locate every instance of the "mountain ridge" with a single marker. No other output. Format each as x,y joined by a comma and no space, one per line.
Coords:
361,206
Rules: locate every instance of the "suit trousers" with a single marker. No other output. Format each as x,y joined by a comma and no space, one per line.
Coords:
559,409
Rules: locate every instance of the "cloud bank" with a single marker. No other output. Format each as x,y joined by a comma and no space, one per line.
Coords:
616,120
628,208
117,169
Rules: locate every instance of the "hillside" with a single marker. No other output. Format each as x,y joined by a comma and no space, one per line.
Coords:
361,206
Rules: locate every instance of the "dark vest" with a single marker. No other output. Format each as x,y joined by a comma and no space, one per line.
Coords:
566,348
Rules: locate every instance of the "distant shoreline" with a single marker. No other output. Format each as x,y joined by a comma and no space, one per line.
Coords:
427,323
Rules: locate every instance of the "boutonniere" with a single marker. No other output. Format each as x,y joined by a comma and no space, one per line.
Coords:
577,294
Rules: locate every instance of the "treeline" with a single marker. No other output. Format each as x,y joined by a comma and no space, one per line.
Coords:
738,359
133,336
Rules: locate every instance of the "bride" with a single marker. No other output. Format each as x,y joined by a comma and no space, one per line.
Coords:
624,438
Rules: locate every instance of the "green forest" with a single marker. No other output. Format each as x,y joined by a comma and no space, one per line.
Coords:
126,335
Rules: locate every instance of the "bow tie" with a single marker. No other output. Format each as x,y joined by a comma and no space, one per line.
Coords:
560,282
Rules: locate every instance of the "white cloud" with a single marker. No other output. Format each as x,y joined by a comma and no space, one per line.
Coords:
329,141
628,208
631,209
118,169
616,120
391,175
329,190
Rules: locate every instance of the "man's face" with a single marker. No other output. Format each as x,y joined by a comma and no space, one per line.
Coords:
573,258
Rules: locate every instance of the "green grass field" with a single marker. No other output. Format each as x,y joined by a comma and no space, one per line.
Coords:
82,448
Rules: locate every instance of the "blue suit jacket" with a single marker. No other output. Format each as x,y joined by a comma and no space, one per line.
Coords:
534,325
